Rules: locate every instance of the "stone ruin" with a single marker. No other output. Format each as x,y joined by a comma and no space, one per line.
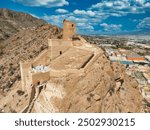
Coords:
72,54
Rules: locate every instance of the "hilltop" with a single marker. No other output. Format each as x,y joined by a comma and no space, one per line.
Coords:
83,79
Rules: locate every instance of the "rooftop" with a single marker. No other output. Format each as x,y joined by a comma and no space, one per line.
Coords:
134,56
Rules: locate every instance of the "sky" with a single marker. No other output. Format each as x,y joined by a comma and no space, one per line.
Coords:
91,16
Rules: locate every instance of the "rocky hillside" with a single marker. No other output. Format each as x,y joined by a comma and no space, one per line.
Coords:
22,37
12,22
24,45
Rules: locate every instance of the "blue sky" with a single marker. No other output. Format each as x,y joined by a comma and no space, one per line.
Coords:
92,16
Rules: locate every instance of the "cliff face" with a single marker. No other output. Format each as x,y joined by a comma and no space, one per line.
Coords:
11,22
105,87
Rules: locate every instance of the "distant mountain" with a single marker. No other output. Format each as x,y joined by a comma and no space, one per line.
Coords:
12,22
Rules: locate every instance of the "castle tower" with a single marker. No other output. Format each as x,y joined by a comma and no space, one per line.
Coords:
69,30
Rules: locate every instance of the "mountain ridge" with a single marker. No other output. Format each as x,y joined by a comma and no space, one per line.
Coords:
12,22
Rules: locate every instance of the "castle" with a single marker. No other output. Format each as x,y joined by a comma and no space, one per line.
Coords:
71,54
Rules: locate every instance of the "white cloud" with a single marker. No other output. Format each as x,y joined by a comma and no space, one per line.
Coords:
143,3
109,4
116,14
83,12
90,13
112,7
79,12
144,24
85,26
61,11
118,4
44,3
140,2
55,19
147,5
78,19
88,19
111,27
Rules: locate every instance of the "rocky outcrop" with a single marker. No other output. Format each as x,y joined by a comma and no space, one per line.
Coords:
105,87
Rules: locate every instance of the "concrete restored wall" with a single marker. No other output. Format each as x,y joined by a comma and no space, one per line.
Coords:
69,30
